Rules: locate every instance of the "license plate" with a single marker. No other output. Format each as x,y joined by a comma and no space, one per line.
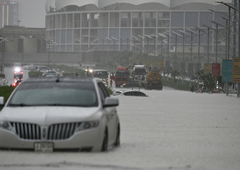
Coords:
43,147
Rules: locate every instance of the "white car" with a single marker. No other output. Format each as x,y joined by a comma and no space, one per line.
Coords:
50,114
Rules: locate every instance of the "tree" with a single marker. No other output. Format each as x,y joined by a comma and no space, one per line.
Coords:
208,79
174,73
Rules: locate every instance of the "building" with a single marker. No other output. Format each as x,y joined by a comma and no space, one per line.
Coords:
146,26
9,13
24,40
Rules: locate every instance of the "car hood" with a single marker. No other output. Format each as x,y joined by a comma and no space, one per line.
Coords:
49,115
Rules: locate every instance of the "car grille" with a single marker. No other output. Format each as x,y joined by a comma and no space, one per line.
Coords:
27,131
62,131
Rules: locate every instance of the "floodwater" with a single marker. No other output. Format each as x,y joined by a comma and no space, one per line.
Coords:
170,129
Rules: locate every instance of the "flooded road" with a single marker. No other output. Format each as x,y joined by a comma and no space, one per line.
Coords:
170,129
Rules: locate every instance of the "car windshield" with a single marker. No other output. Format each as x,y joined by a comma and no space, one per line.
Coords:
100,74
140,71
122,74
55,94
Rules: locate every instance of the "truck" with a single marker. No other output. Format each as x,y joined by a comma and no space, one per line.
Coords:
153,80
138,73
121,76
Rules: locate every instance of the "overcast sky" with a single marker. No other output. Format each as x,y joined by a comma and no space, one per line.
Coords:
32,13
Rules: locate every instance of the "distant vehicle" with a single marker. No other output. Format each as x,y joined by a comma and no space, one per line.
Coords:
100,73
153,80
121,76
129,93
17,65
17,81
17,71
55,114
138,73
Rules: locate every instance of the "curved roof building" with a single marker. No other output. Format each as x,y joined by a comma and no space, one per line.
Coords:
101,4
139,25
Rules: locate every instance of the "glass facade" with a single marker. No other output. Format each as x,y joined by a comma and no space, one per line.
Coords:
135,30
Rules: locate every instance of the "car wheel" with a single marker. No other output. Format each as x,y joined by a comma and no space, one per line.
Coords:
105,142
117,143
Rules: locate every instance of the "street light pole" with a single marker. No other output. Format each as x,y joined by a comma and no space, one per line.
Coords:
192,32
216,42
108,51
161,39
3,51
141,42
148,37
184,33
134,43
238,89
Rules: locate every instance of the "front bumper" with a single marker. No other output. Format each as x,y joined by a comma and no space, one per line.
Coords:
90,139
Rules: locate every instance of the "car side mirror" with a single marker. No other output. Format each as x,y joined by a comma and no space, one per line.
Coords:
110,102
2,101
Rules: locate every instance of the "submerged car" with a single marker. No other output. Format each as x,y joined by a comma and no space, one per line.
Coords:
51,114
130,93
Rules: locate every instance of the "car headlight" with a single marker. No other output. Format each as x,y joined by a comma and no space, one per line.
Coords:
5,125
17,69
87,125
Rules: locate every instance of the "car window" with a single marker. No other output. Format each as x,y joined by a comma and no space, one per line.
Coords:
129,94
101,93
106,94
134,93
140,94
61,93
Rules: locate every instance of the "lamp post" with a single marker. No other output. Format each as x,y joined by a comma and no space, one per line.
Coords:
227,50
176,42
142,40
208,41
161,39
199,41
229,19
238,89
121,44
216,41
108,50
134,43
148,37
155,37
227,43
114,39
2,41
103,50
183,35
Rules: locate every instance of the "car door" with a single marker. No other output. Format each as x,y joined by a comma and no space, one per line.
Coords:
111,115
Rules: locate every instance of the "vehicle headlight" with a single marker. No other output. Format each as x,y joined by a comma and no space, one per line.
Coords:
5,125
17,69
87,125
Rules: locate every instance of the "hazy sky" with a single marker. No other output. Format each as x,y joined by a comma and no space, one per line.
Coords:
32,13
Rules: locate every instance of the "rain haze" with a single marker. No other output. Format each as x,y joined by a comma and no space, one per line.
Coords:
119,85
32,13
